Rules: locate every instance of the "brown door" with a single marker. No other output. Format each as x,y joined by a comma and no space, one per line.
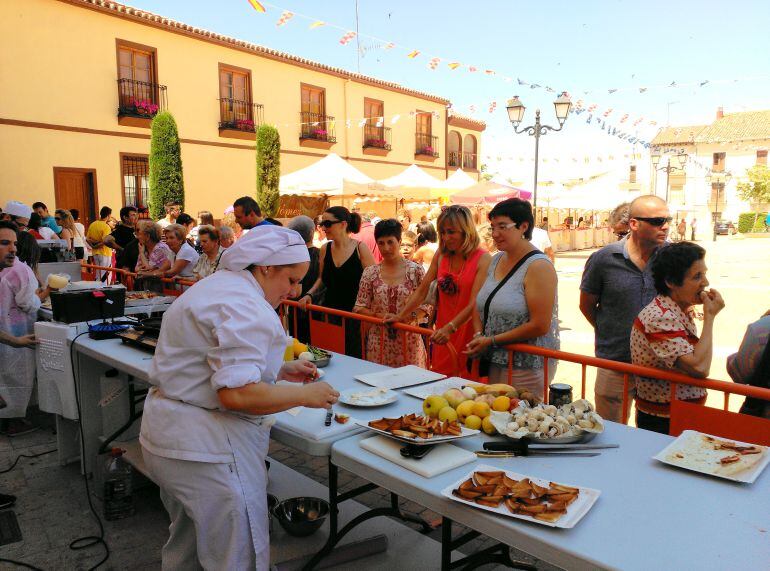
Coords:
76,188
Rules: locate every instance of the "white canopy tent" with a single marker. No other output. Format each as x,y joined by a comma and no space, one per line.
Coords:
331,175
458,180
412,177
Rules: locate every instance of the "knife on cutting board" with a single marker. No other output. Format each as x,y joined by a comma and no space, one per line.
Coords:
523,445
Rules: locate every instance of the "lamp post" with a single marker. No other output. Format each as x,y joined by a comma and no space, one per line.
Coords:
516,109
669,168
717,180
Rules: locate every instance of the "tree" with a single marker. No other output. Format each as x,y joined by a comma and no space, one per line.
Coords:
755,190
268,169
166,180
485,172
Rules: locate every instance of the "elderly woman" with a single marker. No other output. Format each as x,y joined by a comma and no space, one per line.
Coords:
459,270
664,335
517,303
205,433
384,289
154,256
341,262
185,256
226,237
619,220
206,265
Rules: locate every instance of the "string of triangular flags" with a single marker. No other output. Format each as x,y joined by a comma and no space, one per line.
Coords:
436,62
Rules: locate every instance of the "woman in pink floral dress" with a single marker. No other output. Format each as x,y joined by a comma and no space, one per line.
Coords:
382,293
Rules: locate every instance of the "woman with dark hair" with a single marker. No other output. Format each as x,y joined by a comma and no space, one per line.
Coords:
426,244
517,303
383,291
341,262
459,270
188,223
38,230
751,365
664,335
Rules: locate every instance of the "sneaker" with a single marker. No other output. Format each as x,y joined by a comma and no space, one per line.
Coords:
6,501
18,427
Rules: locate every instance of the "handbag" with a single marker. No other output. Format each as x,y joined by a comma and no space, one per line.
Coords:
486,360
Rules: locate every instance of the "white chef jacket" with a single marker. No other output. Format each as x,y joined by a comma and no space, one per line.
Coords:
220,333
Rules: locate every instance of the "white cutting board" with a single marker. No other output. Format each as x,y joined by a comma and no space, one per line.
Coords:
441,459
400,377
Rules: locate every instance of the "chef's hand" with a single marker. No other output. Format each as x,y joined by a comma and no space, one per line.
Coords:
712,302
320,395
477,346
299,371
24,341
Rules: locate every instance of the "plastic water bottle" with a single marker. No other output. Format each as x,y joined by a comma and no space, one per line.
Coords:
118,489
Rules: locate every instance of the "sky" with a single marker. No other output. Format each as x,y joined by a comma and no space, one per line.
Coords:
616,54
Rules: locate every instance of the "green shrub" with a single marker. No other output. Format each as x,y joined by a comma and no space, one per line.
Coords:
751,222
268,170
166,180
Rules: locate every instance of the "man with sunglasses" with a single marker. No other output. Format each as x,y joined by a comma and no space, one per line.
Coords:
617,283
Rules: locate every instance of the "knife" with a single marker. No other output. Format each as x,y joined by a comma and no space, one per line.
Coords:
517,453
328,419
524,445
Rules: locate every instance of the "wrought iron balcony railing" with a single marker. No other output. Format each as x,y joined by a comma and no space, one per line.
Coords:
425,144
240,115
376,137
140,98
318,127
469,160
454,159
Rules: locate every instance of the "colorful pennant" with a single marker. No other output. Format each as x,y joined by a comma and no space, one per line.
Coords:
347,38
285,17
257,6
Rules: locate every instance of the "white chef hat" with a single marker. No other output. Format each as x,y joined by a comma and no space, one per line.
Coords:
16,208
265,245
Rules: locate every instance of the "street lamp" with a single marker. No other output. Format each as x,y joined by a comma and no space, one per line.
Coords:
681,157
717,180
516,113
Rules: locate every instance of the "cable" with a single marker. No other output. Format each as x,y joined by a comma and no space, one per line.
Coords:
88,540
20,456
20,564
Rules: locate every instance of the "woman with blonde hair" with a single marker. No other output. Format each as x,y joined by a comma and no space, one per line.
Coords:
459,270
68,231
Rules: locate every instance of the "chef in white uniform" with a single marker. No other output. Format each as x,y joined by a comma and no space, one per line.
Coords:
206,423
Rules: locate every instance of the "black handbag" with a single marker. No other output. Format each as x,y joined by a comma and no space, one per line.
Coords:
486,360
760,378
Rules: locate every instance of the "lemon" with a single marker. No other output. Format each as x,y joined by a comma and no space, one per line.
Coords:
473,422
481,409
501,404
486,426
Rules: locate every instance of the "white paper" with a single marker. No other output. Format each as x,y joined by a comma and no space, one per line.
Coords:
400,377
440,387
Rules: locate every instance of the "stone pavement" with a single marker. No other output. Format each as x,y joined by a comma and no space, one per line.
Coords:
52,510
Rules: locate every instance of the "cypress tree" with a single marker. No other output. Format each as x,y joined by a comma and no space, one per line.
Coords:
166,180
268,169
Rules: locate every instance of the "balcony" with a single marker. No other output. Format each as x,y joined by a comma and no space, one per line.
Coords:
316,130
425,147
376,140
239,119
139,102
469,161
454,159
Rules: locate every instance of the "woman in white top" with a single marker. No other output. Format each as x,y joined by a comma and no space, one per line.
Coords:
185,256
205,433
79,239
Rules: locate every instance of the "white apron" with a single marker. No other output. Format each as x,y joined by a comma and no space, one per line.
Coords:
18,312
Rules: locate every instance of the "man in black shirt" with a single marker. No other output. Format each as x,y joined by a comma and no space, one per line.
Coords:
123,240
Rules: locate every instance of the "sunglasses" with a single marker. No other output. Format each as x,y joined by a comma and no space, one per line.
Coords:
656,220
621,234
329,223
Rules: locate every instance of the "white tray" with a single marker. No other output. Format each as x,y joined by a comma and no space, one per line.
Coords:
440,387
466,432
400,377
575,511
348,397
747,476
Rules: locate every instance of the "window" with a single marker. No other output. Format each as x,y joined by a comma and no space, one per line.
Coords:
236,110
718,164
762,158
315,124
137,73
469,152
313,100
632,174
424,124
374,129
135,173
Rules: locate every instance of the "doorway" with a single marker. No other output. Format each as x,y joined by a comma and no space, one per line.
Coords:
76,188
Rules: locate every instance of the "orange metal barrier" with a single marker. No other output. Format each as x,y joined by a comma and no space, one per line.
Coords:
332,337
171,286
684,415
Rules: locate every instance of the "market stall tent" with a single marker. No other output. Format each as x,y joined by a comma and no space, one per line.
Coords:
458,180
331,175
488,192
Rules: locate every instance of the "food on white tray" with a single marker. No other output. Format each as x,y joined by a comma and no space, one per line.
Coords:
716,456
548,421
522,497
415,426
341,418
135,295
370,396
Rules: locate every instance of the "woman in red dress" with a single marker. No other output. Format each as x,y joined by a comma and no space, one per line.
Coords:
459,269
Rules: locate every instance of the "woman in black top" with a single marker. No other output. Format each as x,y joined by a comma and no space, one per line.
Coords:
341,262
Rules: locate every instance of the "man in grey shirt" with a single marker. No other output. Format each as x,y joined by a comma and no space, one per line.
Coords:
617,284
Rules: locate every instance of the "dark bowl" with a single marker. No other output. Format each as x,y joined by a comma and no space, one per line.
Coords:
301,516
272,501
321,363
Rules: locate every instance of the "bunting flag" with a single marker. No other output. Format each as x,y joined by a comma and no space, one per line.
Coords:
453,65
489,71
347,38
624,118
316,24
433,63
380,121
492,106
413,54
389,46
285,17
394,119
472,69
472,108
362,122
608,112
257,6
